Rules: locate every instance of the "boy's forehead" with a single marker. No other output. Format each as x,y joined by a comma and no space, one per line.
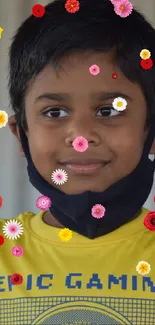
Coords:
72,75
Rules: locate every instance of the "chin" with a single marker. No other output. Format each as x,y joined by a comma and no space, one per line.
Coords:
79,190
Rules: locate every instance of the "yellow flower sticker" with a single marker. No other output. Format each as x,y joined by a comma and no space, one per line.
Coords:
143,268
1,31
3,118
145,54
65,234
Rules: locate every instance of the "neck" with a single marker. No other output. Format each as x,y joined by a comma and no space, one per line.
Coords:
50,220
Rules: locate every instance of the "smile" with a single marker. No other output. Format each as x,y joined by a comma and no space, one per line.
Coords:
84,169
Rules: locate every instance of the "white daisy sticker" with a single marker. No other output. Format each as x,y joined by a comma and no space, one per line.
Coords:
59,177
119,104
12,229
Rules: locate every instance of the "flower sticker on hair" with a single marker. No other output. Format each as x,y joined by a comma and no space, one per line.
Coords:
3,119
119,104
65,234
13,229
123,8
17,251
38,10
80,144
59,177
16,278
1,240
145,54
94,70
43,202
72,6
146,64
149,221
143,268
98,211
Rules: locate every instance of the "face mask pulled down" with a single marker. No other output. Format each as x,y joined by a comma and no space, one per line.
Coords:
123,200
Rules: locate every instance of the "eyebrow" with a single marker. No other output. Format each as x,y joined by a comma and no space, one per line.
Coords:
97,95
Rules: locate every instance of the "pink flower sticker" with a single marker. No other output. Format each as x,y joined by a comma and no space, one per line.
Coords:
114,2
94,69
17,251
80,144
98,211
43,202
59,177
123,8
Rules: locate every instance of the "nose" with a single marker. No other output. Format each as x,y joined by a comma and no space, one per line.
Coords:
84,129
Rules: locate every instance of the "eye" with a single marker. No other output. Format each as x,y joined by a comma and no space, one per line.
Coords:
105,112
55,113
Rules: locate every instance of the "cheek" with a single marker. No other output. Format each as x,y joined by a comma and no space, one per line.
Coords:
42,146
128,147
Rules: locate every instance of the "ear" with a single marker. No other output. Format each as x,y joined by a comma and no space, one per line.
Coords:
15,131
152,151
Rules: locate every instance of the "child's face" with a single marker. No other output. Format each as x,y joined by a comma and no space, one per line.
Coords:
118,139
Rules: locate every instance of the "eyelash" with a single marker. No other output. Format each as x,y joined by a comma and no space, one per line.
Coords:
57,110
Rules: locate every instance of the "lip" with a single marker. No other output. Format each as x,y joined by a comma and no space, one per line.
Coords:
84,169
84,162
88,166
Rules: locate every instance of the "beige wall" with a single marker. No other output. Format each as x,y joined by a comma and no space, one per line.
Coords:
15,189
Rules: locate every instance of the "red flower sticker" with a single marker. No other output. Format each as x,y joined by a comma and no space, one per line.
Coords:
149,221
16,278
72,6
147,64
38,11
114,75
1,240
1,201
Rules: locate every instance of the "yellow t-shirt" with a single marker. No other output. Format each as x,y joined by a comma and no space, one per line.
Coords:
82,281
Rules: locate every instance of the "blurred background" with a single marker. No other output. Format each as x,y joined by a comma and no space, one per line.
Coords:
15,189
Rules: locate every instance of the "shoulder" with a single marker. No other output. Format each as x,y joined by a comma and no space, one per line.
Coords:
20,218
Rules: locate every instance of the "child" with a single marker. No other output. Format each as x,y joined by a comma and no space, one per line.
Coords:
82,85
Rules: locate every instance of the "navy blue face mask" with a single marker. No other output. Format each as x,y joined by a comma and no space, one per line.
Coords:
123,200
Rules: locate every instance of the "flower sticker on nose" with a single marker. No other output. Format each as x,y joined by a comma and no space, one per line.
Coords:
94,70
80,144
59,177
119,104
43,202
98,211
